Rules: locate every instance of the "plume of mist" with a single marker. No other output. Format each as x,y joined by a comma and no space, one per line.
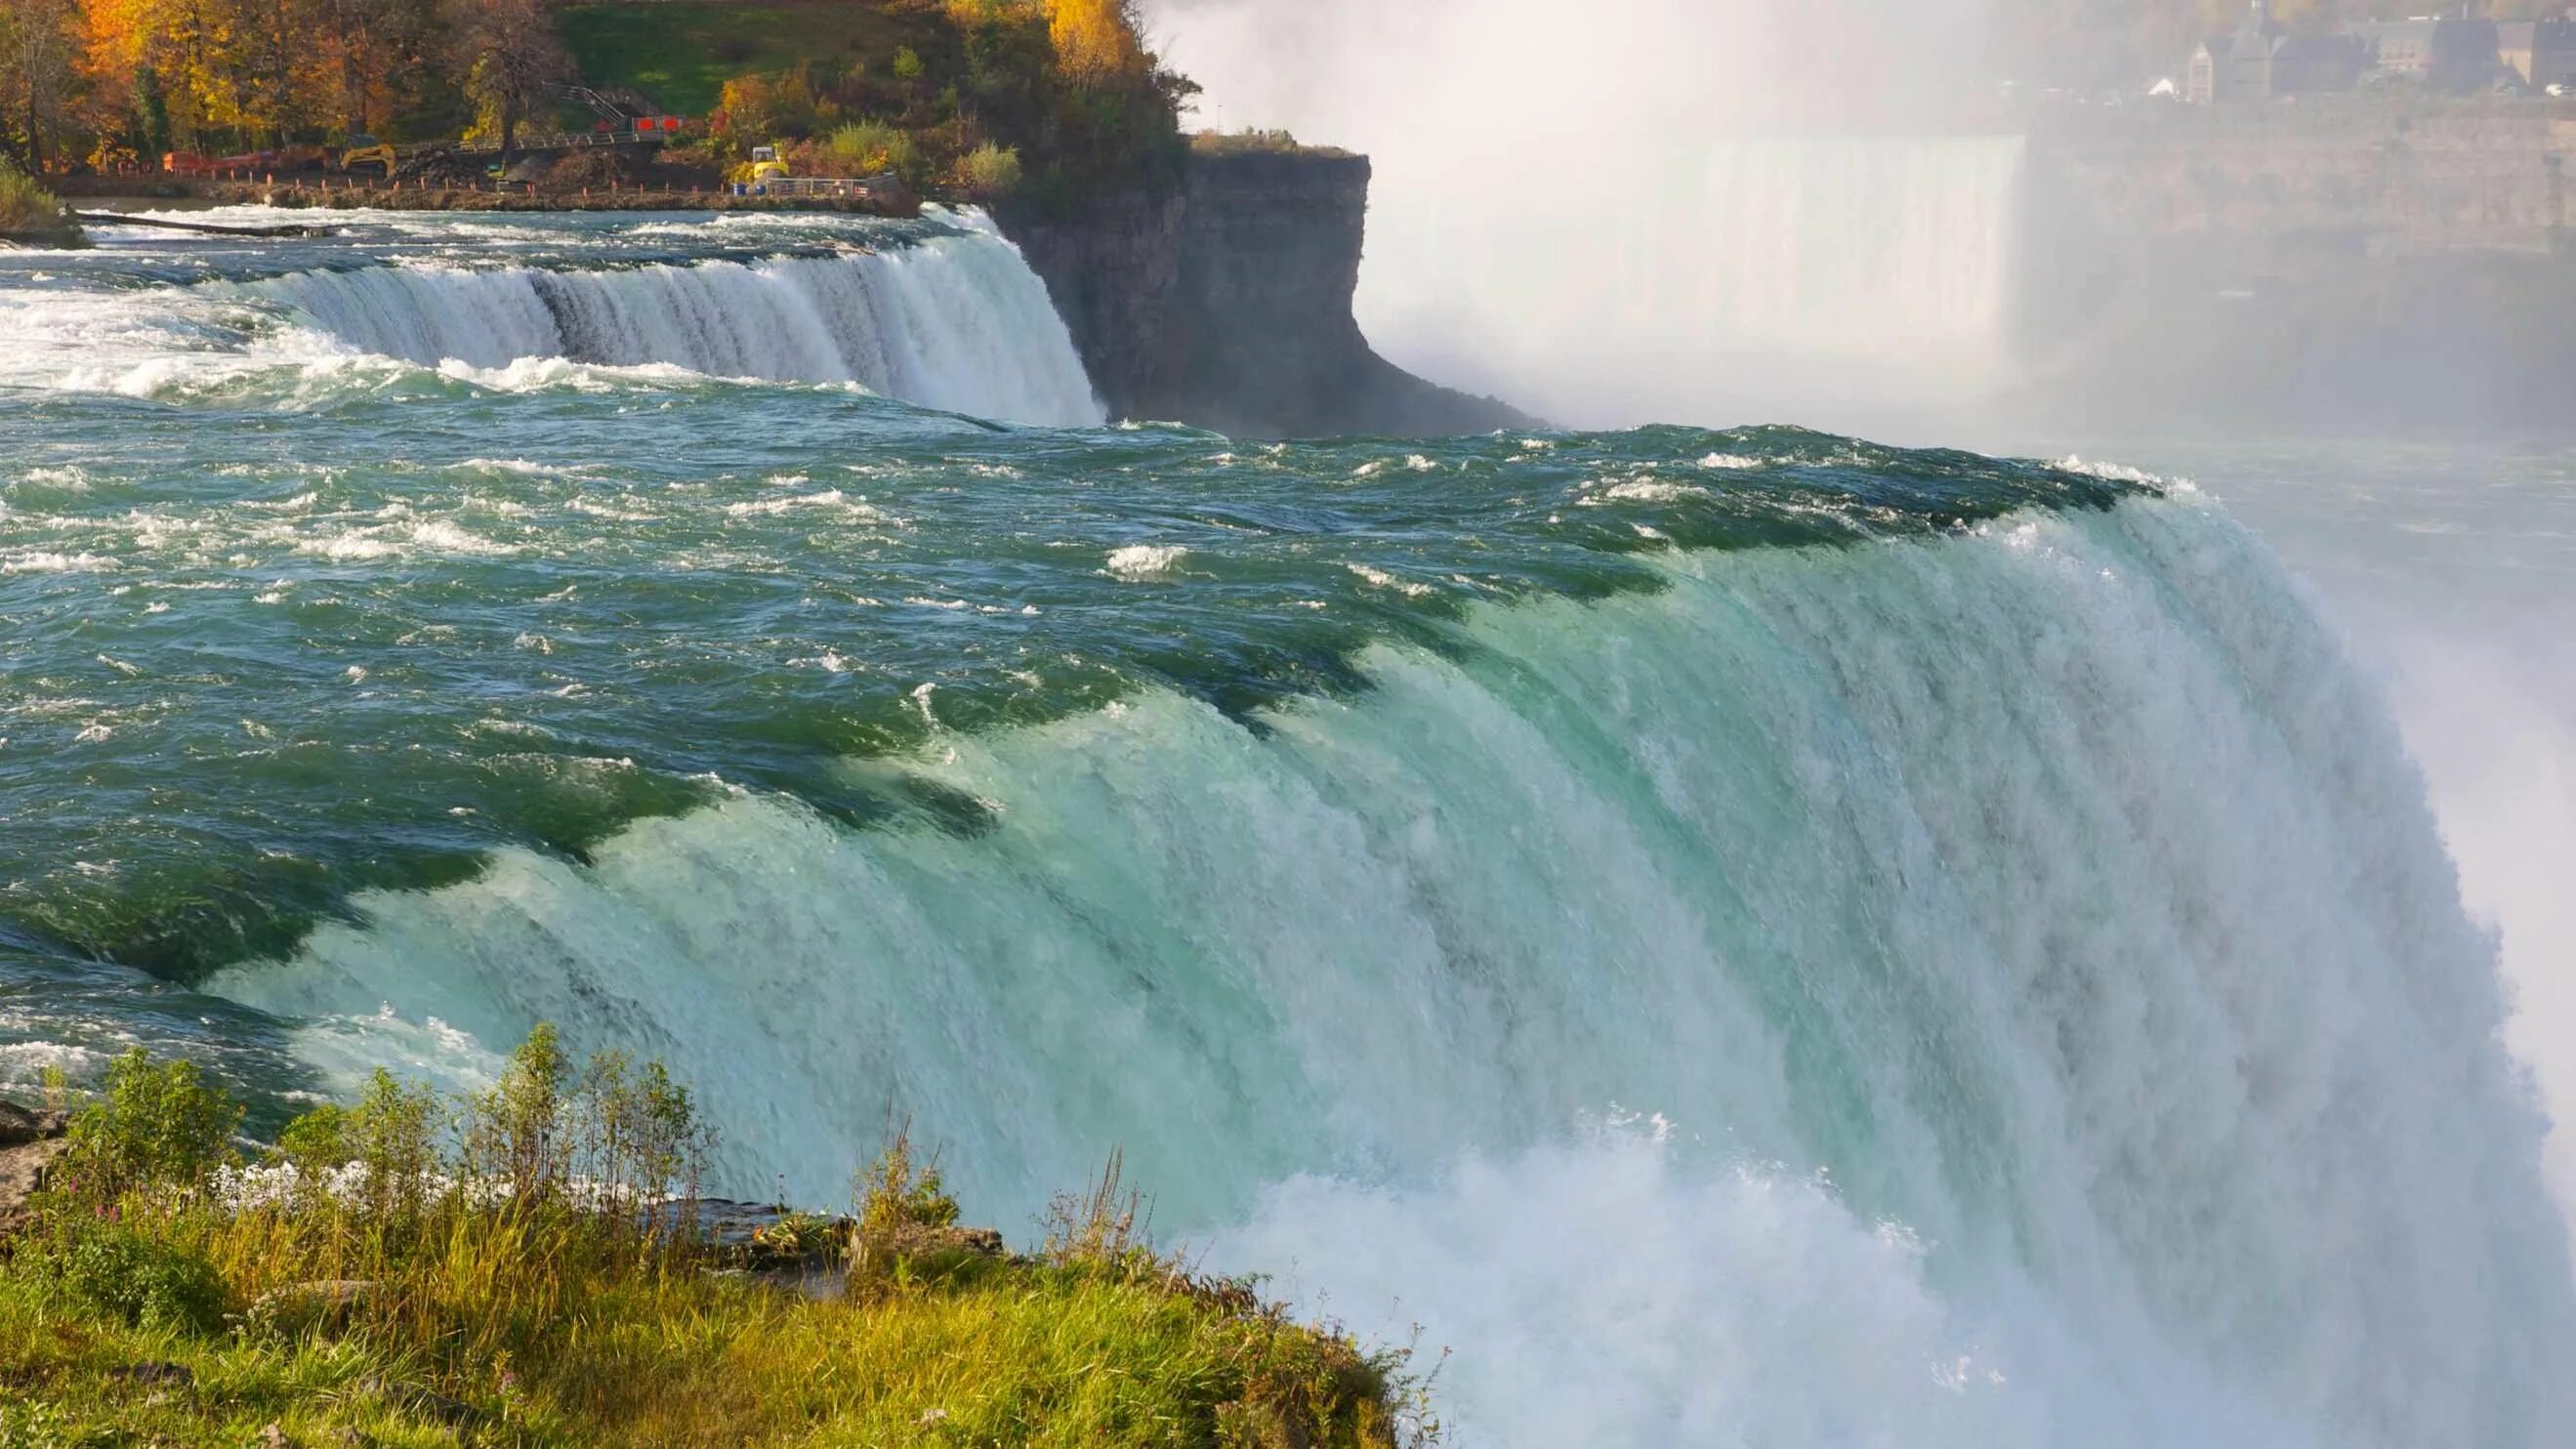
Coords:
1545,223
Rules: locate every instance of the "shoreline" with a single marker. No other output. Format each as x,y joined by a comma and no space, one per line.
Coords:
179,193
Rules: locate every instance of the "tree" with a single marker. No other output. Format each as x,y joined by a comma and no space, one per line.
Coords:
36,76
1096,41
508,55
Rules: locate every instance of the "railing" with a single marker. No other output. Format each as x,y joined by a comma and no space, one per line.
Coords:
843,186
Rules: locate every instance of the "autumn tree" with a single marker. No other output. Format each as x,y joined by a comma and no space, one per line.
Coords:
367,50
1097,41
509,56
37,48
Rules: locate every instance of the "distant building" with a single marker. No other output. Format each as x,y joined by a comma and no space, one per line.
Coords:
2263,60
2456,54
2539,53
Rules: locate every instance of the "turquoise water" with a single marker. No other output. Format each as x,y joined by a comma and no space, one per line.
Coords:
1962,922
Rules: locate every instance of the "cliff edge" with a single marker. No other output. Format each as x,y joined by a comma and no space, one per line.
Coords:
1225,302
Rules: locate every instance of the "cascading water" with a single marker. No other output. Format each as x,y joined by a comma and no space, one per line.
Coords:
944,314
1861,248
2056,890
1745,937
958,323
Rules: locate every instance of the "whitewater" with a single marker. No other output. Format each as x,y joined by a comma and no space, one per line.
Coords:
1735,938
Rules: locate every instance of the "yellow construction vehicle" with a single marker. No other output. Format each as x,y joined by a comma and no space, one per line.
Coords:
765,165
365,151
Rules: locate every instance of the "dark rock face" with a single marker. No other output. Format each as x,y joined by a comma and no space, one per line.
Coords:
1227,303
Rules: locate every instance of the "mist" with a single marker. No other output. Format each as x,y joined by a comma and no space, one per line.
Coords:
1674,212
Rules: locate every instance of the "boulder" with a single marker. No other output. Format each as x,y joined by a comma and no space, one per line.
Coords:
20,1125
29,1143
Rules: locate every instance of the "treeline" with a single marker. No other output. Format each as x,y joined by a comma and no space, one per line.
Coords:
981,92
106,83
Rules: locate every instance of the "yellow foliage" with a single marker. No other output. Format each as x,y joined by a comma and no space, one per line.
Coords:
1095,40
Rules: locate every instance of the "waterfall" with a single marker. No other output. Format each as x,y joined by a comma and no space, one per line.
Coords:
2002,987
956,322
1864,248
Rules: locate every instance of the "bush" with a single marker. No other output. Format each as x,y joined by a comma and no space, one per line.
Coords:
990,170
152,1127
27,209
144,1281
873,146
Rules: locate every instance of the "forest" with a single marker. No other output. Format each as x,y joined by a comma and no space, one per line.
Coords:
105,85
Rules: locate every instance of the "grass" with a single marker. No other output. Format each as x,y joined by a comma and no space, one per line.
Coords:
1257,143
410,1271
682,54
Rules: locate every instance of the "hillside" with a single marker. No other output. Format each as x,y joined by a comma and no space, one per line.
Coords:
682,54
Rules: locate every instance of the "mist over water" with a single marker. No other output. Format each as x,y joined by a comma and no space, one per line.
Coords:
1663,212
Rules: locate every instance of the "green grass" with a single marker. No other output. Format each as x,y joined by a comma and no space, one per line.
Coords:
149,1306
682,54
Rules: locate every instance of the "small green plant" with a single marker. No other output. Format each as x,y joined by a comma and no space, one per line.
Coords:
1101,1226
907,64
990,170
903,1208
142,1280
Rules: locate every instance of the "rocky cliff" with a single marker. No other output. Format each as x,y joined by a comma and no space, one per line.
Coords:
1225,302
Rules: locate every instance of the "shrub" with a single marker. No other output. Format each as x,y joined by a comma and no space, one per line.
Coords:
151,1127
26,208
514,1132
141,1279
873,146
990,170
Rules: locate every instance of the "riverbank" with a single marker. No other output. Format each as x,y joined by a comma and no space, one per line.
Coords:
531,1265
157,192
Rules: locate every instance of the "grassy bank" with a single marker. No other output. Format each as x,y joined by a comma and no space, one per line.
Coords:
410,1271
681,52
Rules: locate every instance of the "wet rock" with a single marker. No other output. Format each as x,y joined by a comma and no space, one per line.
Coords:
29,1143
157,1375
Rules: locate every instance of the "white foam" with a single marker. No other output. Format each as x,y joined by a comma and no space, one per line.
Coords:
1145,560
